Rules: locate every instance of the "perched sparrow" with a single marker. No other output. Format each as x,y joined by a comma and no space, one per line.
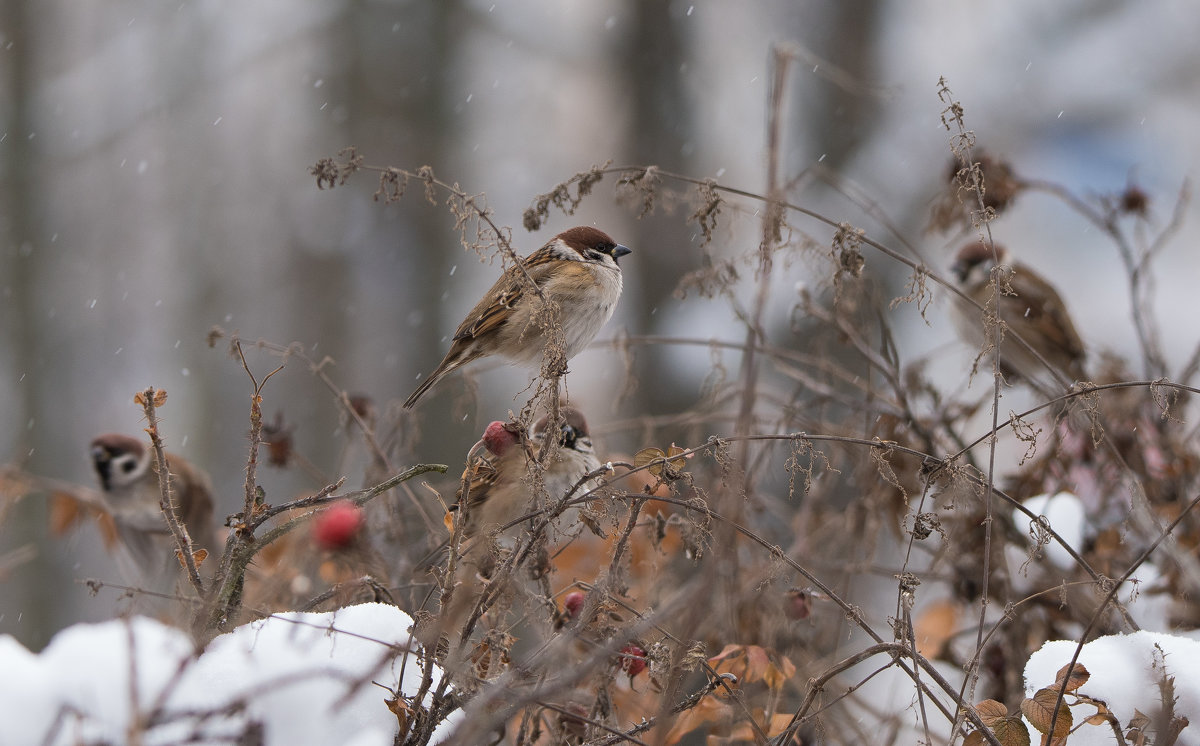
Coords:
577,270
499,487
500,490
1030,308
129,482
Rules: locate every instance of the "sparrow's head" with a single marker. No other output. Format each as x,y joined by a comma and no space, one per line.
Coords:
572,433
975,261
592,245
119,460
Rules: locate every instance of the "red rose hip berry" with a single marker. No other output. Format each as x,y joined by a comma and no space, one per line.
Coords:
498,437
573,603
338,525
633,659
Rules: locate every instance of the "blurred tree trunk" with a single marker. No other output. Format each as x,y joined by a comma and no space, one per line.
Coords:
400,70
35,583
661,134
835,119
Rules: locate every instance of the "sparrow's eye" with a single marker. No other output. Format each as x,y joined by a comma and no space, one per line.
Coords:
568,436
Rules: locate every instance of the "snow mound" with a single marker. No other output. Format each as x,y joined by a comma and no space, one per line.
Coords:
294,677
1126,672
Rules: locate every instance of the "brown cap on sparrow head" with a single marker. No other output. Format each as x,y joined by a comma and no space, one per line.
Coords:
576,271
1029,307
128,478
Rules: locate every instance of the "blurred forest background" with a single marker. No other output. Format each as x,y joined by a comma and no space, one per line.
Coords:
154,183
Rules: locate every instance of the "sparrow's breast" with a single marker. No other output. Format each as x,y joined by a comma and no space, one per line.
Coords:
585,296
593,305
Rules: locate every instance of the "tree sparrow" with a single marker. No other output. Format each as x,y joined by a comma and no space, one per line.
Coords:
1029,307
576,271
499,487
129,482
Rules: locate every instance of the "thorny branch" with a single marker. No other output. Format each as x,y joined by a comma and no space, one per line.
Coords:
151,399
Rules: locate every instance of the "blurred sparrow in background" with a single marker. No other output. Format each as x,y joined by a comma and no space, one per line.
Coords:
129,483
1030,308
576,271
499,486
500,489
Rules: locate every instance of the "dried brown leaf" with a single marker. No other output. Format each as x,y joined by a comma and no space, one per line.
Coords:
1008,729
649,456
936,624
774,677
757,662
1078,676
991,710
1039,710
1011,732
710,711
198,557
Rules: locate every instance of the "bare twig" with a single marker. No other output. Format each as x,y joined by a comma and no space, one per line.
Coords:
151,399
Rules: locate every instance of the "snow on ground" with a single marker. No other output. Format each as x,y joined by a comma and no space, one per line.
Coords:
1126,671
305,677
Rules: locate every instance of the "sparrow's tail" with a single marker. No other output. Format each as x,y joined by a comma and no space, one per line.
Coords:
459,355
424,387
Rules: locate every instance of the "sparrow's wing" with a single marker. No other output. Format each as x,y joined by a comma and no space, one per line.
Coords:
1041,304
497,305
481,475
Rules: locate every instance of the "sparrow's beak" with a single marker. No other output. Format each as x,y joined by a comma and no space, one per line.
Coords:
620,251
960,270
102,463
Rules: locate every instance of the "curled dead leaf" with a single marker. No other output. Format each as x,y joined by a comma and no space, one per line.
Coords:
646,457
198,557
1075,677
403,712
675,461
776,676
669,464
753,663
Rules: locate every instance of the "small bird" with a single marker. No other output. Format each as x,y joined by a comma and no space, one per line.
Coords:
1030,307
499,487
128,478
499,490
577,271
